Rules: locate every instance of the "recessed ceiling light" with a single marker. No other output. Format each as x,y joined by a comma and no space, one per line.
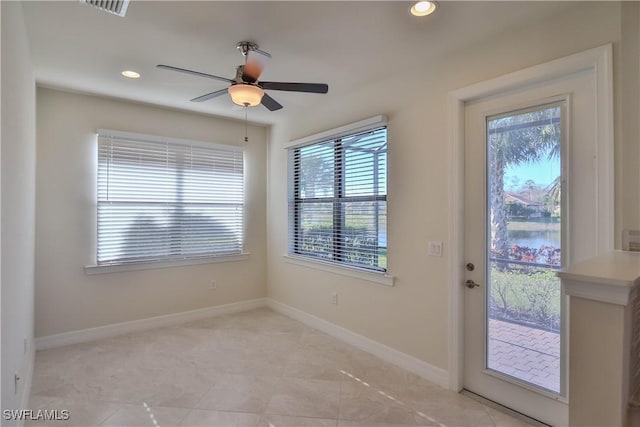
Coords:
131,74
424,8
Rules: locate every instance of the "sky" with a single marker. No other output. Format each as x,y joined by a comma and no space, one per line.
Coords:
542,173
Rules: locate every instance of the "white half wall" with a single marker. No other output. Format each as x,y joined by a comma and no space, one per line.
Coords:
66,298
18,208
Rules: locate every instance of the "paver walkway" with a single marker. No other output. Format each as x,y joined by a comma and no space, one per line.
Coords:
526,353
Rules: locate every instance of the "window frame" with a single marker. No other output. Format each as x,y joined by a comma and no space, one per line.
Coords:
334,136
169,261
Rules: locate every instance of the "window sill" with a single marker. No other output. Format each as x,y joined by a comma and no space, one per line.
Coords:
152,265
370,276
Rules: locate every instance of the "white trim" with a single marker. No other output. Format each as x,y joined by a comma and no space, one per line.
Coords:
28,380
419,367
599,291
370,276
152,265
106,331
526,385
603,70
130,136
361,126
456,237
599,60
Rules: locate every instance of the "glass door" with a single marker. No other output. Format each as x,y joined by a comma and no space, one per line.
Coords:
524,303
532,203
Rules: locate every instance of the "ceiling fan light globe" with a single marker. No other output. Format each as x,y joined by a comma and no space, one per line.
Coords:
246,95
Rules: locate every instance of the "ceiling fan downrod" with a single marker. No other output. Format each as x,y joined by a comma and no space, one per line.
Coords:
245,47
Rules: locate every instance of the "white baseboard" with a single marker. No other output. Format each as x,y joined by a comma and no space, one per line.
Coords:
412,364
91,334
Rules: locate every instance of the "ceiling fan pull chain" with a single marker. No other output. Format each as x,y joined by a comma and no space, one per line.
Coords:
246,138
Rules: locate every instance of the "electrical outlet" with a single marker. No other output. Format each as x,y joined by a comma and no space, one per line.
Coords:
213,284
334,298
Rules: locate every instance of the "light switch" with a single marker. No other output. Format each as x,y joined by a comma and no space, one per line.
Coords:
435,249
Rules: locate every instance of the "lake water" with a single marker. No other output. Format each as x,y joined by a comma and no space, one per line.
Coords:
535,239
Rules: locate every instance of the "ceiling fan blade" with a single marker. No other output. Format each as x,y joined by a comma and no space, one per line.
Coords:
270,103
296,87
256,61
195,73
211,95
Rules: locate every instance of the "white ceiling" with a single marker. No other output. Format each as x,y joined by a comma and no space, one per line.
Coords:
345,44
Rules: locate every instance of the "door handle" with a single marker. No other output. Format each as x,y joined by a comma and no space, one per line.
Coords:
471,284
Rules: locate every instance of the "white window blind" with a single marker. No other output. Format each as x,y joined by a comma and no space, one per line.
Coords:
338,200
166,200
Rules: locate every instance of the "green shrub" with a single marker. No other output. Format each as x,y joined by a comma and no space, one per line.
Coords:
526,295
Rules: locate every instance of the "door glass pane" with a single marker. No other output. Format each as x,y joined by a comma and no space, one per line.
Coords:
524,238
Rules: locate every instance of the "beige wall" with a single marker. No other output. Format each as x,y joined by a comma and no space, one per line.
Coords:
412,316
18,206
628,148
66,299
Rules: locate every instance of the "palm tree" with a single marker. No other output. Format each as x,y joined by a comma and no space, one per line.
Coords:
512,140
317,176
553,190
530,185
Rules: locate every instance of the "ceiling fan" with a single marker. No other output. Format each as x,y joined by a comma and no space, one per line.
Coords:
245,89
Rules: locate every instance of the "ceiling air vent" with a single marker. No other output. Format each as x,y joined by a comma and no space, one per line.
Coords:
117,7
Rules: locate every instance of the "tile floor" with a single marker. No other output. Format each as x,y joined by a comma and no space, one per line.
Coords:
257,368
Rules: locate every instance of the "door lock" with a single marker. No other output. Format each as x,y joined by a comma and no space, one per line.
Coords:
471,284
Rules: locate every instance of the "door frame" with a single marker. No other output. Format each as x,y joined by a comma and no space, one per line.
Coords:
598,61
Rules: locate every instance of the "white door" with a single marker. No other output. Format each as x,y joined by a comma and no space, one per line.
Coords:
530,207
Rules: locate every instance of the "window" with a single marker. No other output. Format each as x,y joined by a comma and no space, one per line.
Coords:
161,199
338,200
